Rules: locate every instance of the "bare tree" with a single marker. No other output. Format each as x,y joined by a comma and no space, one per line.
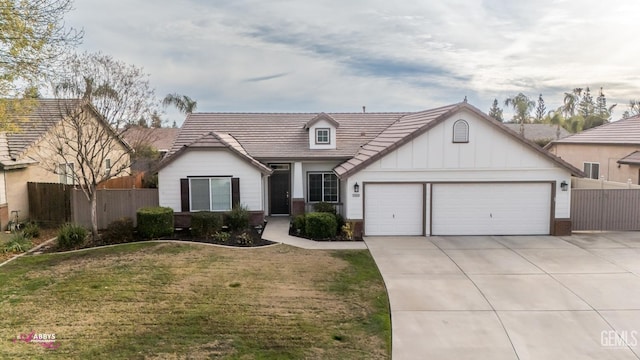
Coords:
98,97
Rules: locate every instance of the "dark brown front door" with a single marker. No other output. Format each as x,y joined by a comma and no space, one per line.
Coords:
279,185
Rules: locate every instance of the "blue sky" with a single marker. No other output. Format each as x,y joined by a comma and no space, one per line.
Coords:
257,56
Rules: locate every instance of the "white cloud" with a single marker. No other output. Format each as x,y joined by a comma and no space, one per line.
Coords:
339,55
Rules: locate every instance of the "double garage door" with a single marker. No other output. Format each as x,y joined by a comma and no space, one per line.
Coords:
458,209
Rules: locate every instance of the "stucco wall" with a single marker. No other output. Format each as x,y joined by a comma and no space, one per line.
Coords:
210,163
16,183
490,155
606,155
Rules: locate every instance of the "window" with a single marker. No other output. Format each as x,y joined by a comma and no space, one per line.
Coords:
323,136
460,132
66,173
592,170
108,166
322,187
210,194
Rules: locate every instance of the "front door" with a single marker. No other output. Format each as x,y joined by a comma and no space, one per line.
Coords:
279,186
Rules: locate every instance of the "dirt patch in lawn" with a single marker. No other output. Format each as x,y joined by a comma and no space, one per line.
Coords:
177,301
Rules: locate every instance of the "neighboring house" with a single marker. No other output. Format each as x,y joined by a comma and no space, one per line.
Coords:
158,139
610,151
540,134
445,171
20,151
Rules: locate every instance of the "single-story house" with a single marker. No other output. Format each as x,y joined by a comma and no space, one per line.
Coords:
610,151
446,171
21,152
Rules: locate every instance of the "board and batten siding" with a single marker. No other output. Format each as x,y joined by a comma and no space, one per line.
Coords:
489,156
210,163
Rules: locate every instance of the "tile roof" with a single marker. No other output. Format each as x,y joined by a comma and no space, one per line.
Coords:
282,135
631,159
160,138
622,132
34,125
540,131
361,138
214,140
393,137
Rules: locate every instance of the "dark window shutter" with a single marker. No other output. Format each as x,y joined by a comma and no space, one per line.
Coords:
184,194
235,192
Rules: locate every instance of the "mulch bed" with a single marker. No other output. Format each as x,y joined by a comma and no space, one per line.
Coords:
236,238
292,232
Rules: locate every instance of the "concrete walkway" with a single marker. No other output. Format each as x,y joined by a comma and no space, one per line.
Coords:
277,230
512,297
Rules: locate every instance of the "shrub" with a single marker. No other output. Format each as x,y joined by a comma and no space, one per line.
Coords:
119,231
221,236
320,225
205,223
31,230
238,218
324,207
155,222
244,238
71,236
18,242
299,224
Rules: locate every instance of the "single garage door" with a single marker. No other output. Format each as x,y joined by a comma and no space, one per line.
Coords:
491,209
393,209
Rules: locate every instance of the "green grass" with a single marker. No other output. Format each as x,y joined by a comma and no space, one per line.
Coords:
165,300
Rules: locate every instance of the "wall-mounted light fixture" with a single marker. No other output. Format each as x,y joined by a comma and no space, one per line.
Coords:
356,188
564,186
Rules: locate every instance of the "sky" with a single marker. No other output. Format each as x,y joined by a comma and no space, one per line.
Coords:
337,55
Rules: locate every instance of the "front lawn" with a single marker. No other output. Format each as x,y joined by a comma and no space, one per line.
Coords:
179,301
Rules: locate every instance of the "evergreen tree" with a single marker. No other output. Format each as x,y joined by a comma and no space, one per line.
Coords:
174,125
156,121
541,110
586,106
495,111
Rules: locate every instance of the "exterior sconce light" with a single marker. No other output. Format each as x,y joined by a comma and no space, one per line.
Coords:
564,186
356,188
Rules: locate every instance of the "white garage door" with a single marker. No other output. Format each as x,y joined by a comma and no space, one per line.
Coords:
393,209
491,209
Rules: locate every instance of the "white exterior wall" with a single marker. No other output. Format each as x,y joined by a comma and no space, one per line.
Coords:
490,155
210,163
322,124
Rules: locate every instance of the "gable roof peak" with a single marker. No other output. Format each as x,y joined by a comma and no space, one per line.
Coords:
321,116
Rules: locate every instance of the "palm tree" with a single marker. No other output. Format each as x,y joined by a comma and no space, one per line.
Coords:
183,103
555,118
522,106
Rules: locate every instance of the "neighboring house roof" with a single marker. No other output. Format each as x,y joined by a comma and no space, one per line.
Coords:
621,132
535,132
415,124
159,138
273,136
34,125
215,140
631,159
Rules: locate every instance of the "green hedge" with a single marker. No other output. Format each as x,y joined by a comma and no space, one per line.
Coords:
320,225
205,223
154,222
238,218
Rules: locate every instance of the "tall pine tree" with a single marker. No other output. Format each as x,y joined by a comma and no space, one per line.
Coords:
495,111
541,110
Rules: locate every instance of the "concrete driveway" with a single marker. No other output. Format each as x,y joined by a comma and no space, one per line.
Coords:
513,297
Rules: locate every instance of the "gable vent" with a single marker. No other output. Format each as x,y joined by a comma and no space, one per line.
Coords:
460,132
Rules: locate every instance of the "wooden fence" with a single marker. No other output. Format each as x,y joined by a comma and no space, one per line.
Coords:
605,209
49,204
55,204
